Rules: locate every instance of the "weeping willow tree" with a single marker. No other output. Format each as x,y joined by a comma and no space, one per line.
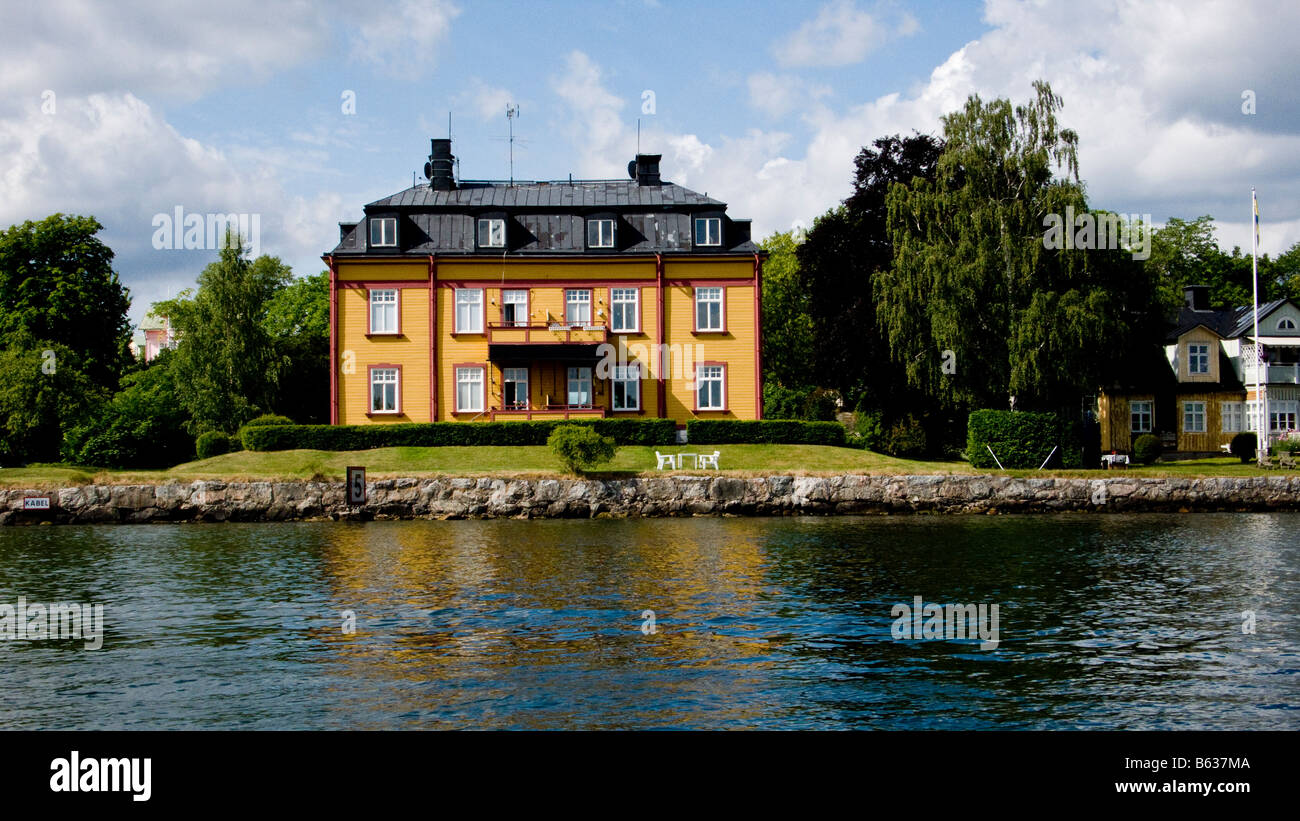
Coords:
976,307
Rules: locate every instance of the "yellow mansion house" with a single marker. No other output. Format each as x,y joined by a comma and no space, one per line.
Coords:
460,300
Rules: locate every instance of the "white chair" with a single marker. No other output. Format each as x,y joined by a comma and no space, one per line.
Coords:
707,460
666,459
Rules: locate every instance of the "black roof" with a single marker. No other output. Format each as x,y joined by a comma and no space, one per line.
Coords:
1228,323
560,194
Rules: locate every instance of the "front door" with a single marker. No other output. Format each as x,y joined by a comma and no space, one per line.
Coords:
580,387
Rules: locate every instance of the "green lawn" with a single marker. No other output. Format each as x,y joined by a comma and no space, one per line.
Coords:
736,460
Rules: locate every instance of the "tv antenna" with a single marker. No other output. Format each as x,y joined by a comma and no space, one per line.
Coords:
512,111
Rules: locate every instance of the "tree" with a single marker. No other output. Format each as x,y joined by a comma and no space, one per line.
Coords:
57,285
143,426
44,391
787,327
298,323
845,251
227,370
1186,253
972,275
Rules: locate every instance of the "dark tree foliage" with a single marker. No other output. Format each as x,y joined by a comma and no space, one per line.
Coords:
846,249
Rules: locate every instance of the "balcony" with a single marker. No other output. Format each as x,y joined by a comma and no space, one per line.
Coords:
556,341
547,412
1274,374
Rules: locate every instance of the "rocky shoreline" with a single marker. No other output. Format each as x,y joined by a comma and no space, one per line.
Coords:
675,495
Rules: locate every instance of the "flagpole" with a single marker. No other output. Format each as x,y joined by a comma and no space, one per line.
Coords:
1261,420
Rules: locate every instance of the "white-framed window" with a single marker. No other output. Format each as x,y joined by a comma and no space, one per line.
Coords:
1140,416
708,309
514,307
1252,415
469,390
384,390
600,233
383,311
577,307
626,387
624,309
1198,358
708,231
1281,415
580,387
492,233
383,232
1193,417
469,310
515,382
1233,416
710,387
1286,323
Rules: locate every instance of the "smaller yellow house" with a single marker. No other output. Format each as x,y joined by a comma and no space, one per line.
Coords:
1213,380
462,300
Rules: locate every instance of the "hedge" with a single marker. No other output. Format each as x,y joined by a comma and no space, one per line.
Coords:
1022,439
444,434
764,432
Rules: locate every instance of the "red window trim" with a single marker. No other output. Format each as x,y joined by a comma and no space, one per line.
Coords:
695,310
370,389
726,406
640,406
455,384
639,303
591,304
528,303
482,312
370,314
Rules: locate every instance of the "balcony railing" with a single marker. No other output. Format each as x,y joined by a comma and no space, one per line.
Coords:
556,333
1274,374
547,412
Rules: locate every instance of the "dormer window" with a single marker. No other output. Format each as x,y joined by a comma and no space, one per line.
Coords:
708,231
492,233
1286,323
1198,358
383,232
600,233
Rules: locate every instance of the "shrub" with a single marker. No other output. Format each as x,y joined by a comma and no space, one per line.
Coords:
579,447
1287,443
867,430
1147,448
906,438
1243,447
264,420
446,434
212,443
764,432
810,404
1021,439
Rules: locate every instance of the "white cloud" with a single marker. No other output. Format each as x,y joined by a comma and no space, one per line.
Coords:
595,125
485,102
779,94
841,34
403,37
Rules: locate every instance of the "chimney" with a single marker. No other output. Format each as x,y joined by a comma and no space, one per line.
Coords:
1197,297
439,167
647,169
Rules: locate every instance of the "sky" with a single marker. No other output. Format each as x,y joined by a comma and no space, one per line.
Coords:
296,114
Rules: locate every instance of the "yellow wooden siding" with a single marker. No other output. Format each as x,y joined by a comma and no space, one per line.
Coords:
1198,336
734,347
1214,435
457,349
491,269
383,271
410,349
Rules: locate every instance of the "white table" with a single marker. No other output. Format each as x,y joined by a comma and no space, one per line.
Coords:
1111,460
695,460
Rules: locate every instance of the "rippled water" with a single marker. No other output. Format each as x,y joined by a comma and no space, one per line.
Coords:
1114,621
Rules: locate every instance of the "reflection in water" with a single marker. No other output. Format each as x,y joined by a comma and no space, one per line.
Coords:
1112,621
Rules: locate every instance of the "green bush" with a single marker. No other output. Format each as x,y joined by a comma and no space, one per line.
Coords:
1022,439
809,404
764,432
446,434
1147,448
258,422
1286,445
867,430
1243,447
905,438
579,447
212,443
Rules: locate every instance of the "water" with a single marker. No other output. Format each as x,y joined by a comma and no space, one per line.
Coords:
1106,621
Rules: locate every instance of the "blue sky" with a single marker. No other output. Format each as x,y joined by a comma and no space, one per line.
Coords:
130,110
